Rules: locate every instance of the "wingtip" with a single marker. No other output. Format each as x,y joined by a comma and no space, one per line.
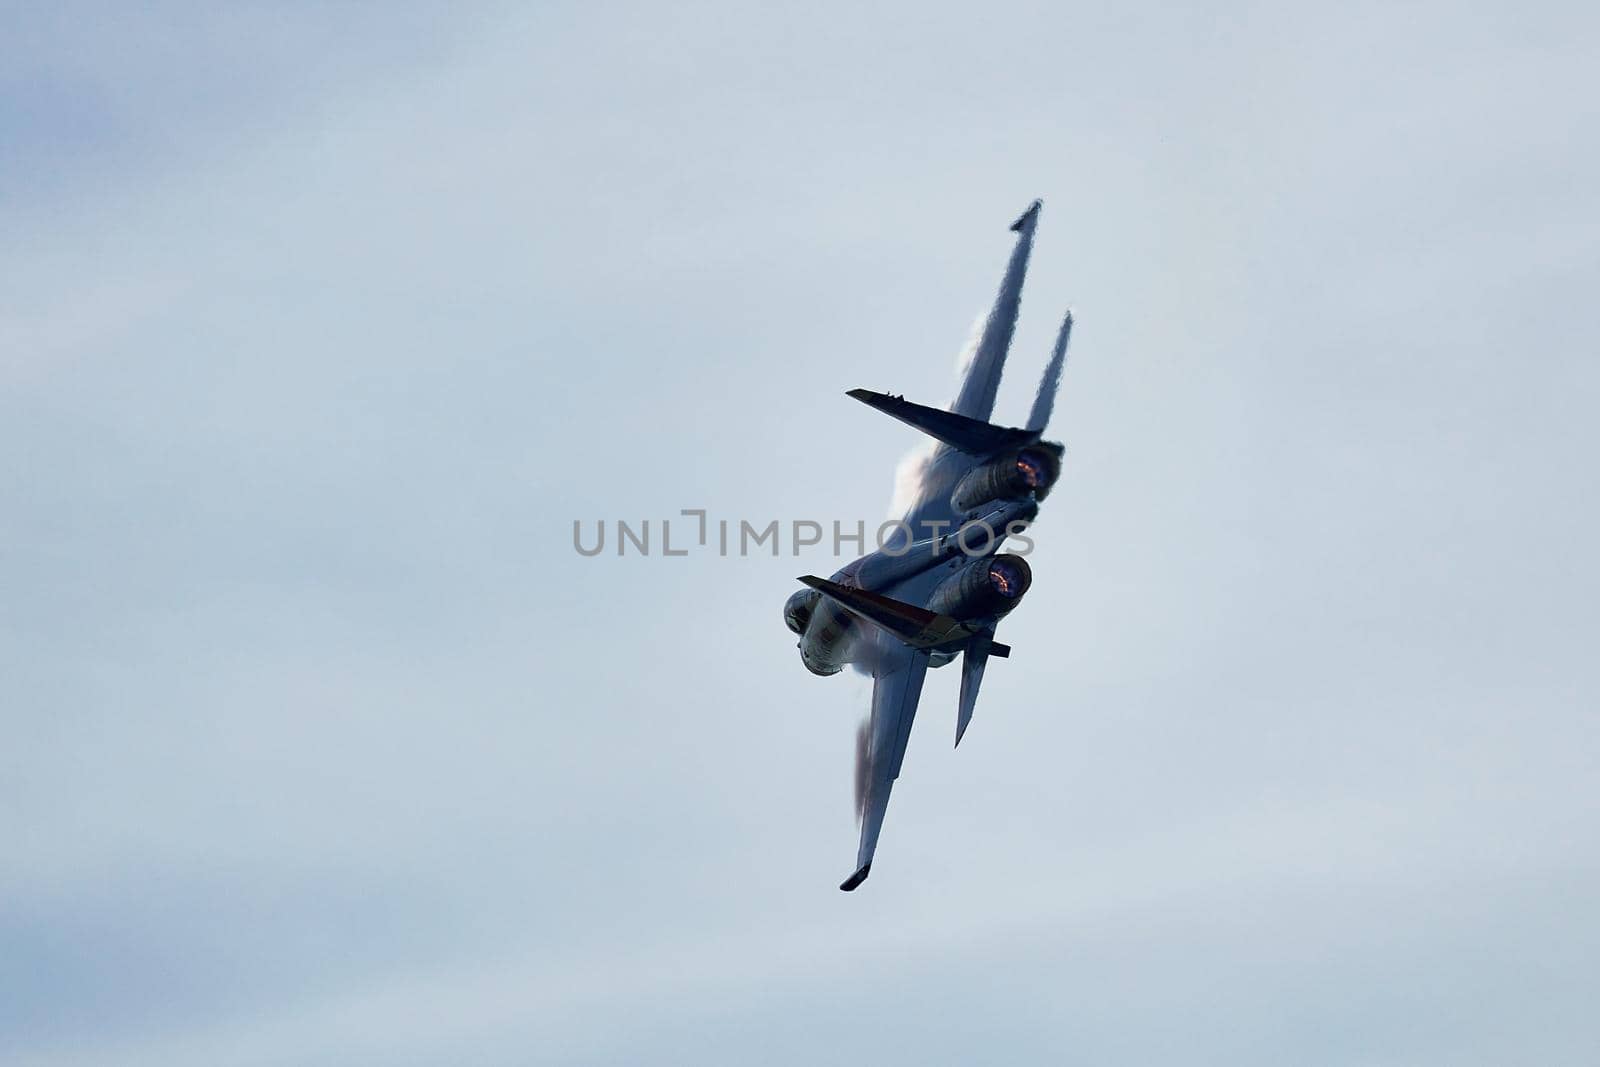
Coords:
1027,216
849,884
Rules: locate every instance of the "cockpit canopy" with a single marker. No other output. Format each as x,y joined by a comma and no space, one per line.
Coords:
798,608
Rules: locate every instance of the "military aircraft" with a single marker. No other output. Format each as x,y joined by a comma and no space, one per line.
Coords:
938,585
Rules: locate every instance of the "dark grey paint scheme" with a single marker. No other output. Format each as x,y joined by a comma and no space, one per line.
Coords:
938,590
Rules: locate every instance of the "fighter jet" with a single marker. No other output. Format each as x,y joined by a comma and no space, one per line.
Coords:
939,584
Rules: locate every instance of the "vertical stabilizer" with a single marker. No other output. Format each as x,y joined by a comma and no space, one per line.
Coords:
1045,401
973,660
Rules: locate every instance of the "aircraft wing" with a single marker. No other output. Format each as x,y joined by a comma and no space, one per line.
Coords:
975,400
896,689
978,389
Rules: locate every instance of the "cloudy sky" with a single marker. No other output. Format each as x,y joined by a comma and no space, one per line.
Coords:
319,327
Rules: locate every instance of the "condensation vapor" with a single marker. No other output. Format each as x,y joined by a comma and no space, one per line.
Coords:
863,765
911,473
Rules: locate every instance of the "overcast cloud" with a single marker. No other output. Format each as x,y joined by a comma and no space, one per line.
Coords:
322,746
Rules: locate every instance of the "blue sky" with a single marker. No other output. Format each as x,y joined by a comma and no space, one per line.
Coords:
319,328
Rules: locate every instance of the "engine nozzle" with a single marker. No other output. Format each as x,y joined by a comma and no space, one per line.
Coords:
990,586
1033,469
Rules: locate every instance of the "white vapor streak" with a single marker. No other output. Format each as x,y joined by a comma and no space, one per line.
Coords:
910,474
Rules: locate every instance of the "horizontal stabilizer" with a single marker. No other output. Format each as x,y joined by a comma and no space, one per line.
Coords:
856,879
972,436
917,627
